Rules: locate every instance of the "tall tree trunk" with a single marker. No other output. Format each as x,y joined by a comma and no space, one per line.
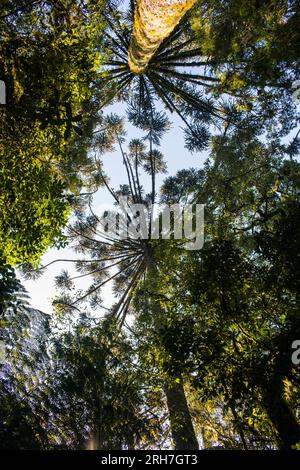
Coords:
272,387
154,20
281,415
182,428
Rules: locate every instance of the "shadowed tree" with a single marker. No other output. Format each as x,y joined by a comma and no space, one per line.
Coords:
245,289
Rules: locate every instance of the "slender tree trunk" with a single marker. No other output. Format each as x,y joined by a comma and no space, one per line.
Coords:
238,425
182,428
154,20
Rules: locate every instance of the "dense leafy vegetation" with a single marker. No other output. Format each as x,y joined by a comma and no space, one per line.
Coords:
48,62
196,347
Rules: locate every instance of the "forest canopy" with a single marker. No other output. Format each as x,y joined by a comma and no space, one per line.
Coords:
192,348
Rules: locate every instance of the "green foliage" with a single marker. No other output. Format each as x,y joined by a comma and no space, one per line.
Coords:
253,48
9,287
213,327
33,206
18,430
234,303
99,385
47,120
257,40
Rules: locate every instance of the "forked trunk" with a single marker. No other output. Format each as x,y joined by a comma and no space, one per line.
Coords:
154,20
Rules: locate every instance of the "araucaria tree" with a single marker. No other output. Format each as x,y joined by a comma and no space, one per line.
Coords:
153,55
189,347
154,21
129,261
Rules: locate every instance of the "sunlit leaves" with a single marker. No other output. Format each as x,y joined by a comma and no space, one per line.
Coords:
47,121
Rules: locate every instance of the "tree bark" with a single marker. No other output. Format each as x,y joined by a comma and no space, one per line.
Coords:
182,429
281,416
154,20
